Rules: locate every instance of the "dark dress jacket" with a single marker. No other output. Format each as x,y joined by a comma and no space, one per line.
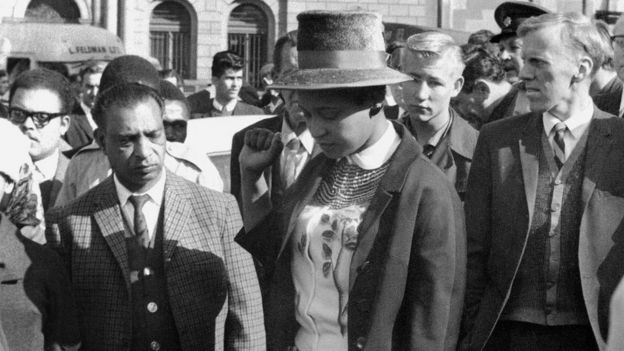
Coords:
273,124
499,209
453,154
406,280
80,132
610,97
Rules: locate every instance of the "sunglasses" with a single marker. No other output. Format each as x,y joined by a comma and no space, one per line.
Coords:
179,124
40,119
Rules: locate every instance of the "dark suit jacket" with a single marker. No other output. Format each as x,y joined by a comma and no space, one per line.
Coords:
273,124
610,97
454,154
80,132
200,102
499,207
406,280
241,109
211,283
51,188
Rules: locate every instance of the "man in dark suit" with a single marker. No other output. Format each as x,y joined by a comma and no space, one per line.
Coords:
290,123
80,132
151,255
40,103
612,101
227,78
435,62
544,200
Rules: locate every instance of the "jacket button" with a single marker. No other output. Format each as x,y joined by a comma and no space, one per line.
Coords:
154,345
152,307
360,343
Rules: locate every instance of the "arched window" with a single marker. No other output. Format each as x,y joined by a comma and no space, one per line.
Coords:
170,37
52,11
247,36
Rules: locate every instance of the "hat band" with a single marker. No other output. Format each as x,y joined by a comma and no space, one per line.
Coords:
343,59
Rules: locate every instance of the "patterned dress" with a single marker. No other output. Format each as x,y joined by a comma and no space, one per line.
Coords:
324,239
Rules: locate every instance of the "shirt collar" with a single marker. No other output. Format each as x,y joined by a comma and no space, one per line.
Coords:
435,139
47,166
228,107
305,137
155,193
377,154
577,123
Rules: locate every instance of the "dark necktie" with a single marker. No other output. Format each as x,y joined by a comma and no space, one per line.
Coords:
140,224
428,150
559,147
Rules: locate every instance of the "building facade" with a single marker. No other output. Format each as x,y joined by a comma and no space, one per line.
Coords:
185,34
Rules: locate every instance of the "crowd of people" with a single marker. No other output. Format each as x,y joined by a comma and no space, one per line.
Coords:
415,195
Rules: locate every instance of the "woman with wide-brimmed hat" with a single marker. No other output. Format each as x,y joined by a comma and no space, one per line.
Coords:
367,250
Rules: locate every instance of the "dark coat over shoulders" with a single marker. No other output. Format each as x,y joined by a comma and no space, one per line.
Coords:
406,277
610,97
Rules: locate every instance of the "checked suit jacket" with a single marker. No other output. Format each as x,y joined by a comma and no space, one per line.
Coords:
211,283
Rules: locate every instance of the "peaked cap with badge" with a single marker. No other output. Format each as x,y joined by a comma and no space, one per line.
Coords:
510,15
339,50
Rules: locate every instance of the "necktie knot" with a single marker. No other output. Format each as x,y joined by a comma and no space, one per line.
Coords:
138,201
294,144
560,127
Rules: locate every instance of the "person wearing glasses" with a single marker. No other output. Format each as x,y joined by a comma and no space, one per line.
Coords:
613,101
40,102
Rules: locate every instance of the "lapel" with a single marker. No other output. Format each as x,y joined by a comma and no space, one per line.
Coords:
529,145
110,221
389,188
176,213
599,144
300,193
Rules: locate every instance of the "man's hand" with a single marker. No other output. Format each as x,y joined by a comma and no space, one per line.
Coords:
260,150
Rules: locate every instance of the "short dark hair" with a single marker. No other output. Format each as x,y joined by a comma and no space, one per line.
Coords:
171,73
123,95
225,60
481,64
289,39
43,78
91,68
168,91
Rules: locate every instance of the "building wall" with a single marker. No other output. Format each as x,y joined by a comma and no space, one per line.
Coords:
130,18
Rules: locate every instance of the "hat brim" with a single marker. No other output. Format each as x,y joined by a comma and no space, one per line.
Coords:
501,36
334,78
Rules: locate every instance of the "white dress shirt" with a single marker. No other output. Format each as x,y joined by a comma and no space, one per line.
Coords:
46,167
377,154
577,125
228,107
151,209
307,143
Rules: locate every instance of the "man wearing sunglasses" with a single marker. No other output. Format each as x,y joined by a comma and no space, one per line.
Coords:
39,103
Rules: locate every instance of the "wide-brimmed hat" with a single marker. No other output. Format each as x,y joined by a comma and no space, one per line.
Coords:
339,50
510,15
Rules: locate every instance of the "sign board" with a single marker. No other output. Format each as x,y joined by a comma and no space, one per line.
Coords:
213,135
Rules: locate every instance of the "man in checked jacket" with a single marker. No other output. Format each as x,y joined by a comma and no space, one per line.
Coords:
151,256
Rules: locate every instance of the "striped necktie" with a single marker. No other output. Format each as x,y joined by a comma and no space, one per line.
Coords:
559,145
140,224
